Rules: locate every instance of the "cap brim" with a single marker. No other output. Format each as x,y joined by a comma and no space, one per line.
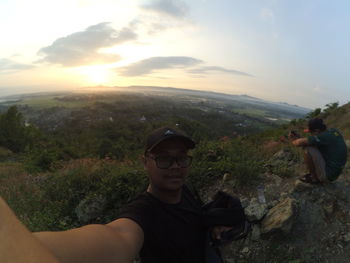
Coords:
188,142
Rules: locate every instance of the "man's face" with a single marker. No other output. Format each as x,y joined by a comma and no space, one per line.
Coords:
173,177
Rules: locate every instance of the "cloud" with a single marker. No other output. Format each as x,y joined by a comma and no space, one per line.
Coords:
318,89
81,48
205,70
174,8
149,65
267,14
152,64
10,66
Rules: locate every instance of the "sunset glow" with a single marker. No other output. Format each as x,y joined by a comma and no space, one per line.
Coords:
296,52
95,75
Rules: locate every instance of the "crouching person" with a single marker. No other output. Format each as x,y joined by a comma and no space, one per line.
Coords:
325,152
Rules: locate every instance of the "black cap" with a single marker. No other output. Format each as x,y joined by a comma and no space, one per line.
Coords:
316,124
164,133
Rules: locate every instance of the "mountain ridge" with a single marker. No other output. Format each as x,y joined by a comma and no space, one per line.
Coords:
217,95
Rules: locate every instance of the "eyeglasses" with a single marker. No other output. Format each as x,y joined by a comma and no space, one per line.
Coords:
165,162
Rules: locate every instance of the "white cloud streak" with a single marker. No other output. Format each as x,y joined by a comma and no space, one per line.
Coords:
82,48
10,66
149,65
174,8
209,69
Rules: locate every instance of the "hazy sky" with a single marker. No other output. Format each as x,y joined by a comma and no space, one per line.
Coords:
296,51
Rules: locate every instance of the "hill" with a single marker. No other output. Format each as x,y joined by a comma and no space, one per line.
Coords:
234,103
86,167
298,222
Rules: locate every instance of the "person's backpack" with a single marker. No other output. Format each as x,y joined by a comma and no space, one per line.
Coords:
224,210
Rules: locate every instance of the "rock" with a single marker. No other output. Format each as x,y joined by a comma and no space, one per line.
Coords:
245,250
280,218
274,179
231,183
255,211
244,202
281,155
299,186
347,142
339,190
226,176
90,208
272,204
291,163
255,232
283,196
328,208
347,238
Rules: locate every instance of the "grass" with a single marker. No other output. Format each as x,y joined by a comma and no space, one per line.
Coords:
75,100
47,201
235,157
50,102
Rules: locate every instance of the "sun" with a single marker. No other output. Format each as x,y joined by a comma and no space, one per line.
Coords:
95,75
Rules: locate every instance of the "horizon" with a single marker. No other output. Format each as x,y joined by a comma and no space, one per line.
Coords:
277,51
97,89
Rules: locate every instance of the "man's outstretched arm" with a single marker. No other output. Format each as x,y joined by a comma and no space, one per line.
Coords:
301,142
17,244
119,241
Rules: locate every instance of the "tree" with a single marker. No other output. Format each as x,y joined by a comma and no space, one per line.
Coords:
314,113
14,134
330,107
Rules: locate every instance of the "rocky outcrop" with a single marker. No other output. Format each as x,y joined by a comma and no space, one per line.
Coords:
255,211
299,223
347,142
280,217
90,208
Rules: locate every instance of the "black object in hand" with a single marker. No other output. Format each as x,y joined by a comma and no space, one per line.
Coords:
293,134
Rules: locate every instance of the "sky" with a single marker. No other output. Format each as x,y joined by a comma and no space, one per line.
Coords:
294,51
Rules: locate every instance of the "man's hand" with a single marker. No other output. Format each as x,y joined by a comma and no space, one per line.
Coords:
217,230
296,140
293,135
301,142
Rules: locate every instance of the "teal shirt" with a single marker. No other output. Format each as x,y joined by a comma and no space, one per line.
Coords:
333,149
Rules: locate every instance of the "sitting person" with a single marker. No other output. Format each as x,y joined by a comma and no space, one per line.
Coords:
325,152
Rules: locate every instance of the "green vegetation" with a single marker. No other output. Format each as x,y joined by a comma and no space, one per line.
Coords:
252,112
48,200
14,133
237,158
67,160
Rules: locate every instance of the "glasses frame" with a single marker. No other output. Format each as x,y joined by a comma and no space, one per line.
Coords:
173,159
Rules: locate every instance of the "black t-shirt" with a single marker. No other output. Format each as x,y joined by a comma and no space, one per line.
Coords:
173,233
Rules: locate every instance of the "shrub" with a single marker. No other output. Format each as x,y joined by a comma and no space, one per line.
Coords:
236,157
5,153
48,201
